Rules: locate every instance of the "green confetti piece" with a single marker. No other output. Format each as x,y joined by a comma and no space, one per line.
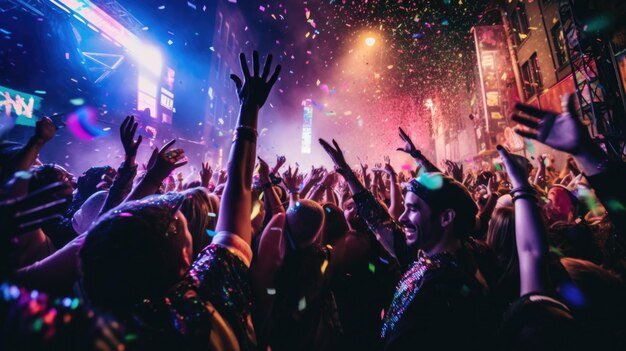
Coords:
556,251
432,181
615,205
371,267
38,324
302,304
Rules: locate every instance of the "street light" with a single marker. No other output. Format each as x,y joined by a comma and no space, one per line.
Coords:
370,41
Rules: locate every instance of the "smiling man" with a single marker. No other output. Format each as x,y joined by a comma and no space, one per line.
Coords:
440,302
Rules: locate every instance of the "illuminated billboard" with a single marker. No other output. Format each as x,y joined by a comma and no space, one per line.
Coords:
19,105
497,81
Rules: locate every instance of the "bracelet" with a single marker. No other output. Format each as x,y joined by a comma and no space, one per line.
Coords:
249,129
291,191
524,196
523,189
267,185
245,134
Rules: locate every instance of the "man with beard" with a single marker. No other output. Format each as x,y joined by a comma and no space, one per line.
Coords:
440,300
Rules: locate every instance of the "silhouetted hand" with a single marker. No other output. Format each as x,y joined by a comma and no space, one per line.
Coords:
516,167
280,161
254,89
45,130
163,162
23,214
291,180
562,131
222,176
455,170
127,136
205,174
336,155
264,170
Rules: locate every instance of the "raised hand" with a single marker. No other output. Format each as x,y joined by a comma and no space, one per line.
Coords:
127,136
562,131
455,170
291,180
492,186
23,214
222,176
409,147
336,155
329,180
255,88
516,167
206,173
280,161
264,170
44,130
165,161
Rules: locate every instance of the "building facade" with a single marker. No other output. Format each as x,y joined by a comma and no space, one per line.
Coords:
230,37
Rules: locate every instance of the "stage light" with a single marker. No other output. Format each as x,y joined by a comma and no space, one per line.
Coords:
149,58
370,41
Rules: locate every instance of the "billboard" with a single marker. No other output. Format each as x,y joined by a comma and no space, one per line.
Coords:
496,79
19,106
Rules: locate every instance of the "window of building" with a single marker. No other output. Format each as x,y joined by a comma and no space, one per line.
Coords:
560,47
531,76
218,66
220,20
519,23
230,45
226,77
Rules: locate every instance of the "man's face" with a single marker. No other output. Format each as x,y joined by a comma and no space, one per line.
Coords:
417,222
349,210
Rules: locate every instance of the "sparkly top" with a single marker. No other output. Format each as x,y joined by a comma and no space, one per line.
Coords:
209,309
410,285
439,302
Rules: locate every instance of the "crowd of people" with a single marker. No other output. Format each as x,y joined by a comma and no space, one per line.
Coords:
513,256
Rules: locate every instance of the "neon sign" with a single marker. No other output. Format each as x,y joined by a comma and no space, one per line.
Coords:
19,104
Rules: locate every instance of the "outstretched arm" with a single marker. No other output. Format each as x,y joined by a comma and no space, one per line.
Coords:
530,232
387,232
127,171
235,209
44,132
410,149
272,198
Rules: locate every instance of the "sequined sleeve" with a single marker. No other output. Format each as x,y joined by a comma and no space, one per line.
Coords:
217,281
30,320
387,232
